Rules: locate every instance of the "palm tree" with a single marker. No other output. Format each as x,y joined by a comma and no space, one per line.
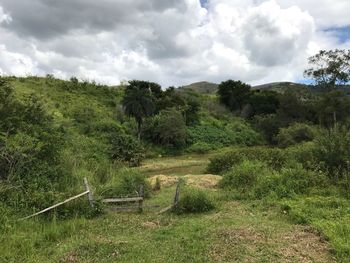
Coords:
138,103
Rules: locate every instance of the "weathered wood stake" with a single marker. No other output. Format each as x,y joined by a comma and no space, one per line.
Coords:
90,196
177,194
142,195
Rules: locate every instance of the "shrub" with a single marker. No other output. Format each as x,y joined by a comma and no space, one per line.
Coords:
332,151
194,201
256,180
126,182
219,133
168,128
126,148
199,147
268,125
294,134
244,176
303,153
275,158
288,183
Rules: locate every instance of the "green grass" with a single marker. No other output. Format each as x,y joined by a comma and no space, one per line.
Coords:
245,231
329,215
234,232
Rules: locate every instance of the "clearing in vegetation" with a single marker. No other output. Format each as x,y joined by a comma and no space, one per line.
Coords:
236,231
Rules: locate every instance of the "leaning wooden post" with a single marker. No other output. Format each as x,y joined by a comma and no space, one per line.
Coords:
177,194
90,196
142,195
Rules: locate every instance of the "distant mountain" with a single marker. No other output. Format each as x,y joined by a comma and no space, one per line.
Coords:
279,86
205,87
202,87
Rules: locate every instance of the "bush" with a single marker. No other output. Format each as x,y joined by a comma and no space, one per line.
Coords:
126,183
194,201
288,183
294,134
219,133
275,158
303,153
244,176
168,128
126,148
256,180
199,147
332,151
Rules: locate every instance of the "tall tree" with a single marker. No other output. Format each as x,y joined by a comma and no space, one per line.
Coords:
233,94
139,103
330,68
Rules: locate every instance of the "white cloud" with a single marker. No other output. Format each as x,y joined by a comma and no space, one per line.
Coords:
12,63
170,42
4,18
327,13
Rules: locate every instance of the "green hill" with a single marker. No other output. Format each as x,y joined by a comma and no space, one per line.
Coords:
252,187
279,86
202,87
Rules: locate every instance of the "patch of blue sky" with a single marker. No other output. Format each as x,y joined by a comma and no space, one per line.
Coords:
305,81
342,33
203,3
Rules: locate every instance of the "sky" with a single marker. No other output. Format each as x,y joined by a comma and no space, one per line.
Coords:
172,42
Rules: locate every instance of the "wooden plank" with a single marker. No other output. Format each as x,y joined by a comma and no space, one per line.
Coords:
166,209
56,205
122,209
122,200
90,196
130,208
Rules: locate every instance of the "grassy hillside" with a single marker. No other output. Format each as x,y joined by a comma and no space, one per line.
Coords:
202,87
268,182
236,231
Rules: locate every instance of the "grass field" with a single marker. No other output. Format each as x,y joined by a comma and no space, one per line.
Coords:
235,231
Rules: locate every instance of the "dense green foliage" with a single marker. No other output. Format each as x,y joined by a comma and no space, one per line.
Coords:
194,201
330,68
217,134
168,128
124,183
273,157
294,134
233,94
126,148
253,179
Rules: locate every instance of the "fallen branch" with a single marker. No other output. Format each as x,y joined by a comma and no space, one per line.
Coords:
56,205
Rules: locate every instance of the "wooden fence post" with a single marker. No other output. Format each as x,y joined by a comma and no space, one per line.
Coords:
141,194
90,196
177,193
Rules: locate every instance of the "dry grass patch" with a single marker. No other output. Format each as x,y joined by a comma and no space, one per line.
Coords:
204,181
247,244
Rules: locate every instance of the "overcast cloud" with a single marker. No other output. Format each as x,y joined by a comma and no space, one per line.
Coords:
173,42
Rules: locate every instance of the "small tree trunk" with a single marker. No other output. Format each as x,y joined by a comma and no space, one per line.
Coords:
139,126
